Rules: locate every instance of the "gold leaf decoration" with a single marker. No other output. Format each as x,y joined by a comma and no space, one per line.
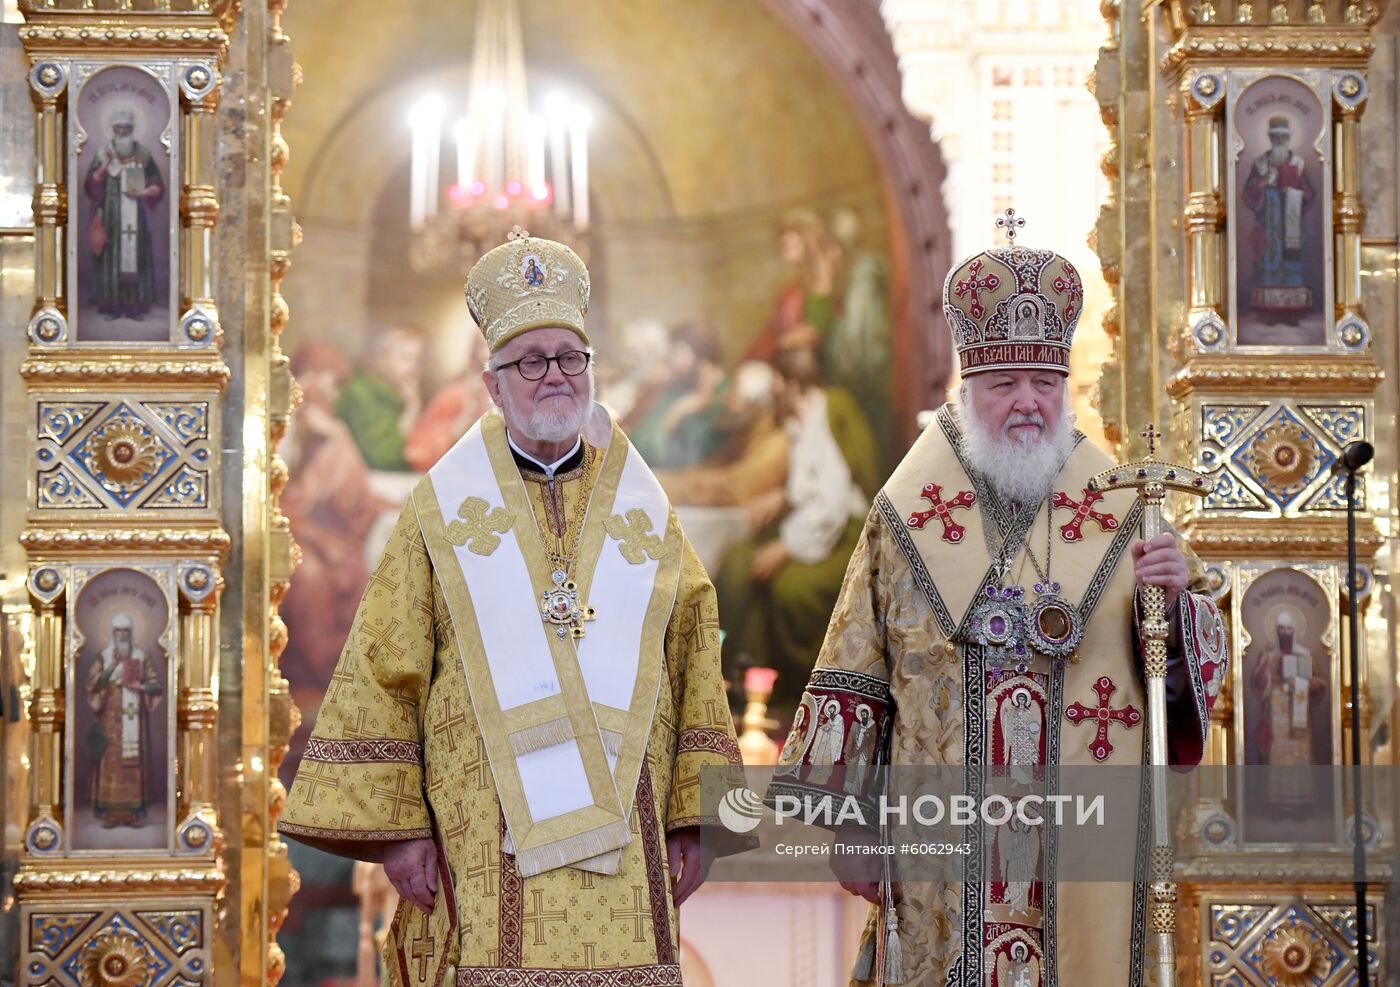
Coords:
1284,456
124,452
1294,956
114,959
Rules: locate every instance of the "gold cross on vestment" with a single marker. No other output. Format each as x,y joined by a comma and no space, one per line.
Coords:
638,915
536,917
342,676
1009,223
447,726
422,950
479,530
359,730
478,769
460,823
397,797
636,541
313,774
484,870
382,638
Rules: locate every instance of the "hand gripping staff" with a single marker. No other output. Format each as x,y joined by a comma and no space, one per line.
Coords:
1152,479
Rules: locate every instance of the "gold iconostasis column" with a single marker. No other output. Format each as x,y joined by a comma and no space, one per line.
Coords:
1233,231
156,393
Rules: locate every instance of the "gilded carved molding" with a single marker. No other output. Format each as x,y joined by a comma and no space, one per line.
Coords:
1277,374
141,880
40,541
167,38
283,555
1233,538
1307,48
51,370
1246,32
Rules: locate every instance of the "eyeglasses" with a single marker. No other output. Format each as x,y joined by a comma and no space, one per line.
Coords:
536,365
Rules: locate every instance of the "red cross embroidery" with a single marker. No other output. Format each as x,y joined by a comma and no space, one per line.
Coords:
1076,713
1071,286
973,285
941,509
1083,511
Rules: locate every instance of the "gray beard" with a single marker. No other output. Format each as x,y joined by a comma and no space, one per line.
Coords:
124,146
1280,154
121,651
1022,473
548,426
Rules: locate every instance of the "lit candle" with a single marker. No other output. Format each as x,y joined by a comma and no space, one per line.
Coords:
495,140
535,157
556,108
578,153
466,136
426,121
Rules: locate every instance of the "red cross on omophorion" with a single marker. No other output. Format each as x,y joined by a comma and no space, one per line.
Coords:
1083,511
1069,284
974,284
1128,716
942,509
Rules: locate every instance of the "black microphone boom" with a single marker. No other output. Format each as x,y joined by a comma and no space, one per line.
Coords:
1354,456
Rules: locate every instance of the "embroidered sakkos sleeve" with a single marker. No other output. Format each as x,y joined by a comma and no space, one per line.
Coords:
838,741
705,737
1197,660
360,782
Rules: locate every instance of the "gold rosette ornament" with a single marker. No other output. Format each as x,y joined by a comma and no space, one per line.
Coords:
124,452
1294,957
115,959
1283,455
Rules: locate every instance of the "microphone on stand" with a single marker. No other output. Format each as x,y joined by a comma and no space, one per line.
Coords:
1354,456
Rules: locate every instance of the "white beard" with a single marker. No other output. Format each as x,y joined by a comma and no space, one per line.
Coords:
1021,471
539,425
124,146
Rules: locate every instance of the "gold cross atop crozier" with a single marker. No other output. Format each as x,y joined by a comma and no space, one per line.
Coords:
1150,435
479,530
1009,223
634,536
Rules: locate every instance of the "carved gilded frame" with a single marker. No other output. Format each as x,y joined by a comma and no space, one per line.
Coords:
190,642
1211,97
192,85
1328,578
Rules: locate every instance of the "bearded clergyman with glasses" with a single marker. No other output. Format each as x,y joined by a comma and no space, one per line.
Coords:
532,683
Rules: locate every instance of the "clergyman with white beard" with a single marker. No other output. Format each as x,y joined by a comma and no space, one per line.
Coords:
526,698
988,620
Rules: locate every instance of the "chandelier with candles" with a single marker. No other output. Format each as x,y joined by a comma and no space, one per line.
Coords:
512,165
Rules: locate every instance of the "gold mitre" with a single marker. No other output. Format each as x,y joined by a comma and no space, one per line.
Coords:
527,283
1013,307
